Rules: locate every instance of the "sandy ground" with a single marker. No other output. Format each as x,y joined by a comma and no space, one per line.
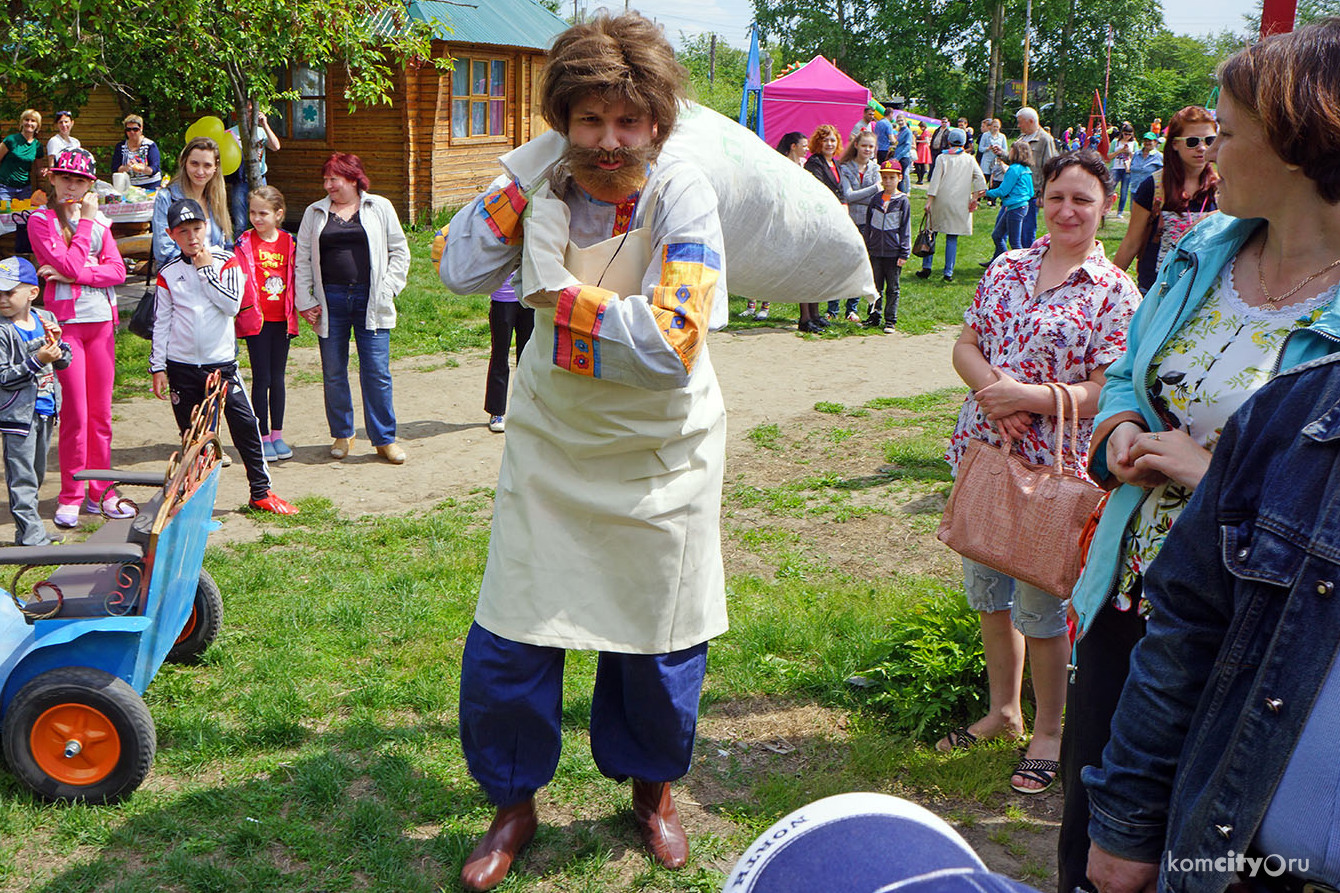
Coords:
766,375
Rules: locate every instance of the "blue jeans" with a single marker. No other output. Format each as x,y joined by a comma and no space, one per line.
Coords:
1123,180
1029,231
951,255
347,311
1009,223
15,192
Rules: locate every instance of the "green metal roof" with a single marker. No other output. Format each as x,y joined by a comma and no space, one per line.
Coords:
510,23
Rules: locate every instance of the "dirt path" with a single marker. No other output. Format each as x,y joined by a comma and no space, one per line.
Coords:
767,375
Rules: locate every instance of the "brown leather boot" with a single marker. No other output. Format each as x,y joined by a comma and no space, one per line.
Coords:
658,820
511,830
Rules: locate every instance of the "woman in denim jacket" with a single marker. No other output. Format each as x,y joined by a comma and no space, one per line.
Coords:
1237,299
1223,741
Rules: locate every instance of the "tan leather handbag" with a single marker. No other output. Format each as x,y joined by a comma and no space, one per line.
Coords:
1022,519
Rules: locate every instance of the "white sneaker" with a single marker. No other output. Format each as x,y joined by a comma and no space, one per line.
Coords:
852,317
497,424
747,313
762,314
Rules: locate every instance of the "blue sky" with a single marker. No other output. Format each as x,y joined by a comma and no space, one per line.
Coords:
730,18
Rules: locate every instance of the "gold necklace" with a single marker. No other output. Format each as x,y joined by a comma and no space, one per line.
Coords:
1274,302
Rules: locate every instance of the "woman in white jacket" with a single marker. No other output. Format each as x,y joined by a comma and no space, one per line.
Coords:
352,262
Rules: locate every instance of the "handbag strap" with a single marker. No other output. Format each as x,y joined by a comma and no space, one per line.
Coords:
1057,390
925,220
1058,454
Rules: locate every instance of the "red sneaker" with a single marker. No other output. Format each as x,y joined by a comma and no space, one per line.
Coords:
272,503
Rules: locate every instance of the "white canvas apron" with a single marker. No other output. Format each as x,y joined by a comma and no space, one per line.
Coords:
606,522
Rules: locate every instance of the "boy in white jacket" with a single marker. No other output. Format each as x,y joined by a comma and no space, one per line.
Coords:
199,294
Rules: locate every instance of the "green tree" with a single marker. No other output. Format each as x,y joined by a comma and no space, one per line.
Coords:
717,87
167,55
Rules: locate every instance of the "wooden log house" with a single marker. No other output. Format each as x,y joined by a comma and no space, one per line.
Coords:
434,147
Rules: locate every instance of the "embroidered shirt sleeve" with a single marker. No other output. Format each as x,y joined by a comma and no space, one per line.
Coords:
653,340
483,241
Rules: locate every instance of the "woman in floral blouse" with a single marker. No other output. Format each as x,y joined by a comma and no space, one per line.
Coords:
1053,312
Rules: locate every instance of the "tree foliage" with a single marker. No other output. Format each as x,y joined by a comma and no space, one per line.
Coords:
173,57
937,53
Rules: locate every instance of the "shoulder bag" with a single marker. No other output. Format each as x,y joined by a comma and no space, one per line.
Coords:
924,244
1021,519
142,320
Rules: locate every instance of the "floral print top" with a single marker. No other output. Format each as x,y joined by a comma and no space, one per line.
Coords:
1062,335
1198,379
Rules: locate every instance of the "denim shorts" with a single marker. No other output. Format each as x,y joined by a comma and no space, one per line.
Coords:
1034,612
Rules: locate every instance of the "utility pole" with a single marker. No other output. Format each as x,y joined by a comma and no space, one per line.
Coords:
1028,27
712,60
1107,75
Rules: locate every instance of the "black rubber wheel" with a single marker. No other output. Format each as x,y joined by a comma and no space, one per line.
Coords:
76,733
202,627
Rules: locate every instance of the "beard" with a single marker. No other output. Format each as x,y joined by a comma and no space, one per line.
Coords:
583,166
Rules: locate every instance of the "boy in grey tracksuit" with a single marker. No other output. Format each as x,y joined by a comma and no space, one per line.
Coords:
30,347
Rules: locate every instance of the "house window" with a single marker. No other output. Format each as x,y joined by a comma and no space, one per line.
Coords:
478,98
304,117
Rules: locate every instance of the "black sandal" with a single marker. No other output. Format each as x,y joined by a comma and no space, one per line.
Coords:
959,739
1042,771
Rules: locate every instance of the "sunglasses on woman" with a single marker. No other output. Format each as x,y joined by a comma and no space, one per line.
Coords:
1194,141
133,130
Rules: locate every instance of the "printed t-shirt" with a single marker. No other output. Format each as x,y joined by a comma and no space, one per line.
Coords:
272,262
46,379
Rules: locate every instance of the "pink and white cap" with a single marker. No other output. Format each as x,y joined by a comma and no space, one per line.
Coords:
76,163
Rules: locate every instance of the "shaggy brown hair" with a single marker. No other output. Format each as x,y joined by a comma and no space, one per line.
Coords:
1290,83
622,57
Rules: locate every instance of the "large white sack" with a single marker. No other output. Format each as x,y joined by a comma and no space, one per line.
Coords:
787,236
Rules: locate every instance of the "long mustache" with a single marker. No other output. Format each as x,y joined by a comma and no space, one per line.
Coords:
583,165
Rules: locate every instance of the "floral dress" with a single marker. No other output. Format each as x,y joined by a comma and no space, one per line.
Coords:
1198,379
1062,334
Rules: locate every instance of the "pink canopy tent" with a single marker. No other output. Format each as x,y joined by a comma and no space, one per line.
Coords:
816,93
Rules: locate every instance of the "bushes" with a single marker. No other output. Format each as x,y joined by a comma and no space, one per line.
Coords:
933,676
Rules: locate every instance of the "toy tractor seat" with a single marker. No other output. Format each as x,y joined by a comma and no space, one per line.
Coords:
99,577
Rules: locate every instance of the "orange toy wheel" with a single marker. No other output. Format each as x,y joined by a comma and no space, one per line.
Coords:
190,625
75,744
202,627
76,733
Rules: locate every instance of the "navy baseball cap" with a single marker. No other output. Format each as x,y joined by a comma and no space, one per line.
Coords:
864,843
183,211
16,271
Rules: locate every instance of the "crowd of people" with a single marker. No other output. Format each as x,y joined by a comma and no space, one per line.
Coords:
1207,590
215,285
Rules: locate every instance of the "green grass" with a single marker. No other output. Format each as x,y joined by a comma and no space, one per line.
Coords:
316,747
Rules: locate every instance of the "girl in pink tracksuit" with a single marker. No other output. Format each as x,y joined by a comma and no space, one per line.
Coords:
78,258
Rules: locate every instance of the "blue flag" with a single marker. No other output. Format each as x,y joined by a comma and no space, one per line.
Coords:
753,84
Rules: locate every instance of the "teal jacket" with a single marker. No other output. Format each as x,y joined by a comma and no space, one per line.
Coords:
1182,286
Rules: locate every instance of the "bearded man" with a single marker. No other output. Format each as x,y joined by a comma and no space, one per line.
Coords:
606,528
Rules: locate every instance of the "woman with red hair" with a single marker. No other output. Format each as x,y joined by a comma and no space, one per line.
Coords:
352,262
1163,209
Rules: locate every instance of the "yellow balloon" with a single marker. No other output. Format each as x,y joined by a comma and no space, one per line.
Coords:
230,153
208,126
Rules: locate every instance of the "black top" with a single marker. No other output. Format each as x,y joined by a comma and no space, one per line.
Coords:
1147,261
819,166
344,252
